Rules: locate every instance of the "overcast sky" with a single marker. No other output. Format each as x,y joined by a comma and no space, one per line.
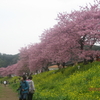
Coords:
23,21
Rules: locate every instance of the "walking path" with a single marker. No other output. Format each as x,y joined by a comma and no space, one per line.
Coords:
6,93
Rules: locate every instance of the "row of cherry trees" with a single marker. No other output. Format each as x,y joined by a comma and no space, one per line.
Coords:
72,38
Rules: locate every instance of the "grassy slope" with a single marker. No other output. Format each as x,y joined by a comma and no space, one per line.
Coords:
70,83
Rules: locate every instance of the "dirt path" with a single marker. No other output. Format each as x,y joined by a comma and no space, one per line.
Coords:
6,93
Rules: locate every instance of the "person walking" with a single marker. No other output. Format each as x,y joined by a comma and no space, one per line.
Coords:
31,88
23,89
5,83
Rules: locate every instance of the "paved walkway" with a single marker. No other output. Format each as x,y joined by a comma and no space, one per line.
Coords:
6,93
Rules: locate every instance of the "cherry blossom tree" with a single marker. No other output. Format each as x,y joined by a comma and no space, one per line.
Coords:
83,26
74,34
37,60
72,38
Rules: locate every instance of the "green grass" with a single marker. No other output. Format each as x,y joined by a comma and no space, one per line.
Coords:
69,83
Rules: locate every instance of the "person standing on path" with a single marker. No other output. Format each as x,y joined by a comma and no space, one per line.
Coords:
5,83
24,89
31,88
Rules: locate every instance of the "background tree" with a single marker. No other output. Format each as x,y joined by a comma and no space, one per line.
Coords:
71,39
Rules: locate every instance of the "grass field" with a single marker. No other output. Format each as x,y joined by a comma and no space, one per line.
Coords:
69,83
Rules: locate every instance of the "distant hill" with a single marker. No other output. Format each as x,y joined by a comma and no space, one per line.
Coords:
6,59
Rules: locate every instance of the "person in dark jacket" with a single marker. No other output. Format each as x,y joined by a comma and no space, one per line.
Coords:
23,89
